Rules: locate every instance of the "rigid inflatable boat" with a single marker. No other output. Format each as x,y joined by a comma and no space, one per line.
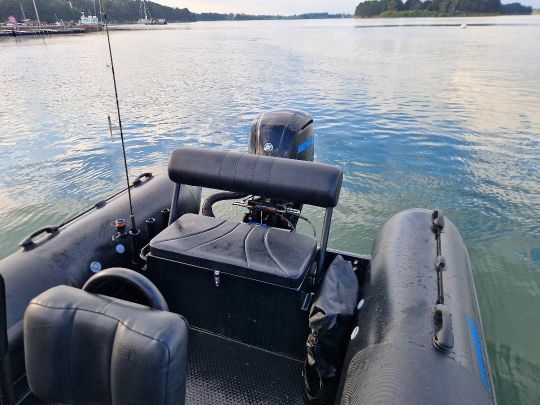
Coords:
189,307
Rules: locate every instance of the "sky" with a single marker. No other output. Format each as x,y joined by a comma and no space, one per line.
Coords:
283,7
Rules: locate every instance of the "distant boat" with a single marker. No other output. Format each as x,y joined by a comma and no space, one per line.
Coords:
90,20
463,26
146,17
152,21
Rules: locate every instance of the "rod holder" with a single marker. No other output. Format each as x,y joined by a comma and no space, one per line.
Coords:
135,238
165,212
151,228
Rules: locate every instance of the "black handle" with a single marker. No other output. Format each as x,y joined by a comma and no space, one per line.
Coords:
29,240
443,337
110,282
138,179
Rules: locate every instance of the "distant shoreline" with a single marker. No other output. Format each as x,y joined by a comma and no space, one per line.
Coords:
407,14
438,8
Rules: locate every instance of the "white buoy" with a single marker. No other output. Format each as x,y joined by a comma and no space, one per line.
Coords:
463,26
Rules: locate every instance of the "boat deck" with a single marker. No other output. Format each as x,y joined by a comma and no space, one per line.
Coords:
223,371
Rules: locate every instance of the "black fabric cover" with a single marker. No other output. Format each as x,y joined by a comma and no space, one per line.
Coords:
3,322
264,254
286,179
330,319
87,348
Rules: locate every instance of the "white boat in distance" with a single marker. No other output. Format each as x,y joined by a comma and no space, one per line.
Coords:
146,17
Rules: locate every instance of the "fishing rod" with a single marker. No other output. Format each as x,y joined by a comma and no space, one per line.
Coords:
120,224
134,229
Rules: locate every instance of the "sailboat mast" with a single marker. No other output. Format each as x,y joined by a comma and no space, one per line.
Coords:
22,11
37,14
100,13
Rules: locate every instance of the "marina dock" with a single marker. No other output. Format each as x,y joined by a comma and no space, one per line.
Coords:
41,31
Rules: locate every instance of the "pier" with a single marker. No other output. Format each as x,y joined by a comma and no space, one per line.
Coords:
41,31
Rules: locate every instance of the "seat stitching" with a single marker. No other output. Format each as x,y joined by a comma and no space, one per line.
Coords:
111,363
112,317
265,239
193,234
236,168
253,169
213,240
221,164
269,172
245,245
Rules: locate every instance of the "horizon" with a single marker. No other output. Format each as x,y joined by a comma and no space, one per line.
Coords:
283,7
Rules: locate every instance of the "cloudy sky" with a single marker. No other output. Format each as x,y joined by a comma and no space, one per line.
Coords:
283,7
265,6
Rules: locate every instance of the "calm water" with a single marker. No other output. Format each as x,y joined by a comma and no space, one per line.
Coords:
429,116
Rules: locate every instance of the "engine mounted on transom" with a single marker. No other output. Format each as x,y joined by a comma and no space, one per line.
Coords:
285,134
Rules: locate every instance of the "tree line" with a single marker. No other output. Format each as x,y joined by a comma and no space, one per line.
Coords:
236,17
125,11
70,10
432,8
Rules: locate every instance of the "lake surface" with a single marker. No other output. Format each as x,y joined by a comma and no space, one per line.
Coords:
417,116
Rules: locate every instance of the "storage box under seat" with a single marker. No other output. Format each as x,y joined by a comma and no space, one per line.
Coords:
260,253
237,280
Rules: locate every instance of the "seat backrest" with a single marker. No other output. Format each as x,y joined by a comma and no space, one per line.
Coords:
88,348
285,179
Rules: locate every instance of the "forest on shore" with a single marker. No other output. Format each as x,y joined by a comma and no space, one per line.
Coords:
126,11
437,8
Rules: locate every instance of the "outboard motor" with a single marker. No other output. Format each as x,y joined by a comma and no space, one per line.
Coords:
286,134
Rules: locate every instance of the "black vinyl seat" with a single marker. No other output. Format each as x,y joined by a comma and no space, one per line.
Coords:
259,253
88,348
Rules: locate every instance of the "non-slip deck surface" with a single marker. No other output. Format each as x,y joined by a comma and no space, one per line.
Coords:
221,371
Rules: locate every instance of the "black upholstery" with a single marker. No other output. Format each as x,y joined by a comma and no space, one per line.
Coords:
6,389
286,179
264,254
87,348
3,321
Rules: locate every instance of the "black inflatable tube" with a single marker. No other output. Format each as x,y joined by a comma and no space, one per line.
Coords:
391,357
66,256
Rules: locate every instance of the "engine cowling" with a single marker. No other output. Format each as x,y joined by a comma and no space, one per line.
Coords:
286,134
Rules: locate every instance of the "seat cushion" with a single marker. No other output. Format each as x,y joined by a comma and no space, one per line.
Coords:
87,348
260,253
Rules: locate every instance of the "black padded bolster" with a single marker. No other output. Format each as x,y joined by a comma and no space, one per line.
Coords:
286,179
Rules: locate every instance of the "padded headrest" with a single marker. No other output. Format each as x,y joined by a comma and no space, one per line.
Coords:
285,179
87,348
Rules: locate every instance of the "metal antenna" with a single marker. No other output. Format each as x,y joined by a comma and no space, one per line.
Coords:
132,217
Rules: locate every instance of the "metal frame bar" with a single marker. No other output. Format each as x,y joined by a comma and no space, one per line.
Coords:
174,203
324,238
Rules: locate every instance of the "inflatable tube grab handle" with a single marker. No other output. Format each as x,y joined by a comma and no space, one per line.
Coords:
443,337
138,179
29,240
